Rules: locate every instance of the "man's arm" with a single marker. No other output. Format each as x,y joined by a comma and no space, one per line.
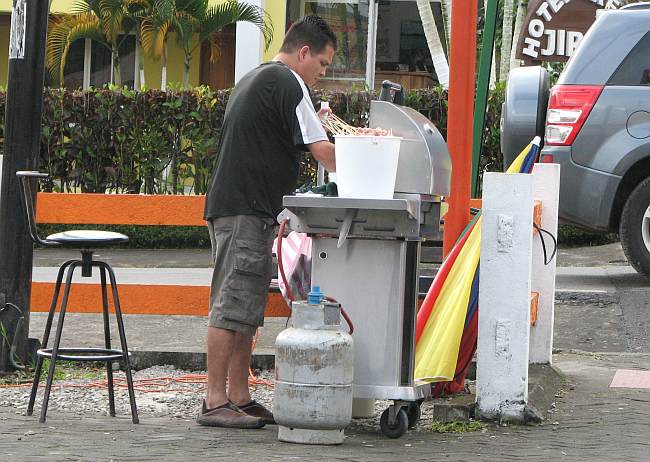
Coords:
323,152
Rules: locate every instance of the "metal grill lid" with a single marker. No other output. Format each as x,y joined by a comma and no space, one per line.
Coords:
424,162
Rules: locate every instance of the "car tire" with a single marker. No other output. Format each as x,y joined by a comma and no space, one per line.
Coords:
635,228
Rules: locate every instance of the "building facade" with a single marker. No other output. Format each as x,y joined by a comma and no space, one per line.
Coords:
377,40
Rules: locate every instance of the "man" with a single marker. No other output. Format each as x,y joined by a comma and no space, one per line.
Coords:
269,122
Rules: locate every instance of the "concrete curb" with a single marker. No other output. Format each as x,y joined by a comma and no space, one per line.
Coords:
191,361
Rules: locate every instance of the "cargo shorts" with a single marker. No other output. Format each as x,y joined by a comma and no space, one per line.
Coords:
241,253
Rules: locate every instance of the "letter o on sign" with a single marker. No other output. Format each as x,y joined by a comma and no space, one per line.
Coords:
536,28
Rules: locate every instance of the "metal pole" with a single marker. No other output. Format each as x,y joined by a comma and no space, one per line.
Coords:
482,90
462,69
21,146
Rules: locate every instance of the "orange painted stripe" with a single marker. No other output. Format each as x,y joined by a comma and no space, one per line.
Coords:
120,209
146,299
143,299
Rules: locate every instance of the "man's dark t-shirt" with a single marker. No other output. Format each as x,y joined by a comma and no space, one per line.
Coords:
268,121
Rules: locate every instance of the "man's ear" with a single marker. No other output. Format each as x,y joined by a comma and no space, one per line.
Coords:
303,52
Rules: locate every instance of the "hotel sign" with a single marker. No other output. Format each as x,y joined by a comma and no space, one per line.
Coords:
553,28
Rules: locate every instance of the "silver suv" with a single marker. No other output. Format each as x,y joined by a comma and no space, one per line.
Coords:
597,127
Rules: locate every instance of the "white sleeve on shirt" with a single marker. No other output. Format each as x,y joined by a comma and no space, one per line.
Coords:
310,125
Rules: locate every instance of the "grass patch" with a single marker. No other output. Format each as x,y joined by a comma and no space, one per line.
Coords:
457,427
65,370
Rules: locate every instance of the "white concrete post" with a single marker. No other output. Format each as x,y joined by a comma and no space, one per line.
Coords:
249,45
546,188
504,296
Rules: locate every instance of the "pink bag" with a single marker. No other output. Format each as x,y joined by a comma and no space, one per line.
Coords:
296,259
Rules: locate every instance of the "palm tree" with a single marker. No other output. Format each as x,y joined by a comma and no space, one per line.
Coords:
433,40
100,20
194,21
140,11
154,29
196,18
520,15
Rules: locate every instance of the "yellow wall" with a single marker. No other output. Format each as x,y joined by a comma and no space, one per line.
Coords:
152,68
277,10
175,59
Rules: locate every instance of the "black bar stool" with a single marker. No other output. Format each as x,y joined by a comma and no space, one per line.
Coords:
84,240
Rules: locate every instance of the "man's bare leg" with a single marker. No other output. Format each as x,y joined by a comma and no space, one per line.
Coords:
220,351
240,360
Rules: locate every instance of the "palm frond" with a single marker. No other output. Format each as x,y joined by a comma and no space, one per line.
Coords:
64,30
153,37
215,49
194,8
162,11
136,9
185,27
219,16
111,17
83,6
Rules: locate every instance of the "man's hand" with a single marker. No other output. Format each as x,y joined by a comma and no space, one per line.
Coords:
324,112
323,152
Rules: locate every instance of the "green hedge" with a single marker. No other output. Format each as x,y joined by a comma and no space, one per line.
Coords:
196,237
119,140
147,237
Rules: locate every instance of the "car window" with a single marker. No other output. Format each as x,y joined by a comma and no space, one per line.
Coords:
635,68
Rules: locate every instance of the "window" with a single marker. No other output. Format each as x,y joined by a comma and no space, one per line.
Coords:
100,65
349,21
635,69
399,53
89,63
74,65
402,53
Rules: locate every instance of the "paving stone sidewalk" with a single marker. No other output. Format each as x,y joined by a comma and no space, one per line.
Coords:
590,422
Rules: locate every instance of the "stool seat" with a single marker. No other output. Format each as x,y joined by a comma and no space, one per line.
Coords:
84,354
87,237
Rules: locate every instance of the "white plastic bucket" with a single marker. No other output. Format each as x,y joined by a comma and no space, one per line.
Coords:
366,166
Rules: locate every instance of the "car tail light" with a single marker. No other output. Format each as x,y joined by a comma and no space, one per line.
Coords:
568,108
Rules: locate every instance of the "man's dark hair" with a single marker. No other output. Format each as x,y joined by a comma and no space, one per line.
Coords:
312,31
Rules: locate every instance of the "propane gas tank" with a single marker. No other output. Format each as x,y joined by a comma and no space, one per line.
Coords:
312,403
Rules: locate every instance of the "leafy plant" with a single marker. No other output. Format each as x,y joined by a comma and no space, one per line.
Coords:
166,142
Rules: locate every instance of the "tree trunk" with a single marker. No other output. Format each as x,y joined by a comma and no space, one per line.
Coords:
186,70
117,77
446,10
493,66
140,62
163,60
433,40
520,17
506,39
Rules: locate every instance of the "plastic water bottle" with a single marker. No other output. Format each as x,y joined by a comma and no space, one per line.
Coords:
324,105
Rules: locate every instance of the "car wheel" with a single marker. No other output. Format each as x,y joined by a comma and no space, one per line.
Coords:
635,228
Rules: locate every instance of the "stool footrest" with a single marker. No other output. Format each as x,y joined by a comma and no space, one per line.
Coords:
83,354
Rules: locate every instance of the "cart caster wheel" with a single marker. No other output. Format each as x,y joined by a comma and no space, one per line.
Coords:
413,414
398,428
